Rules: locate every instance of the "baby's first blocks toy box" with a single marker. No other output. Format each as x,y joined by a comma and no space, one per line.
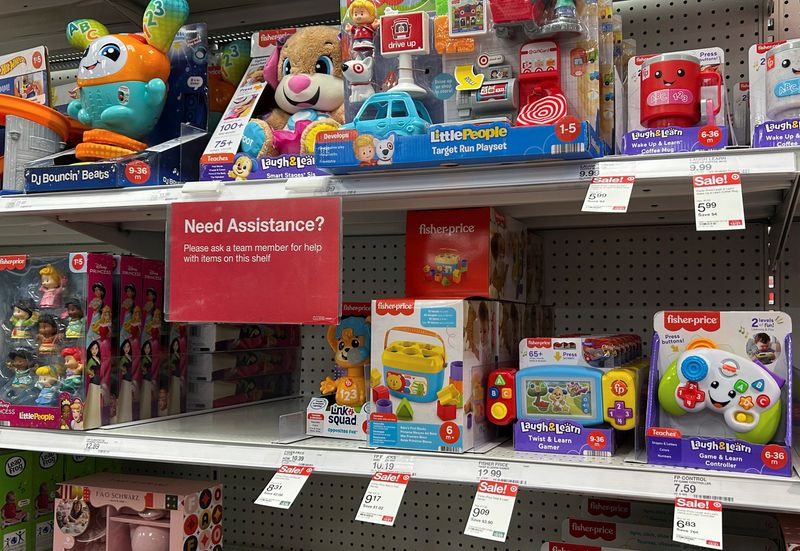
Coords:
430,361
464,253
720,391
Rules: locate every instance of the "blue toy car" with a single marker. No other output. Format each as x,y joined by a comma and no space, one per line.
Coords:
387,112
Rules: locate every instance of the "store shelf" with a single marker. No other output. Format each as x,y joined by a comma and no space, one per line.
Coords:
247,437
545,195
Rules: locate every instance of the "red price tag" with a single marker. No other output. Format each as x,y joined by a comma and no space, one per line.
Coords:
710,135
774,457
137,172
568,128
269,261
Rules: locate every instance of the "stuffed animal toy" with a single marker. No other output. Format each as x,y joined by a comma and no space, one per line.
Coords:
306,74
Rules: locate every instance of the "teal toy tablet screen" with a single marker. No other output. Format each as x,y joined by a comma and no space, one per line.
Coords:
568,398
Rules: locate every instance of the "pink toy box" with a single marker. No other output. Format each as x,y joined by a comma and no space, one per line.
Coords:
117,512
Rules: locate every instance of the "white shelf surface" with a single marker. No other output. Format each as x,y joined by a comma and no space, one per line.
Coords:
546,194
247,437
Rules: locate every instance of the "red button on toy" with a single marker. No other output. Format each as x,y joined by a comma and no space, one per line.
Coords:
691,394
763,401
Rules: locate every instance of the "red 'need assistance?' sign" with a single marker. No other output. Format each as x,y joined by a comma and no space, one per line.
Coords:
271,261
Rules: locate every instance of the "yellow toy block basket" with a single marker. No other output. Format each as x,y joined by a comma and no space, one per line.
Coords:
414,370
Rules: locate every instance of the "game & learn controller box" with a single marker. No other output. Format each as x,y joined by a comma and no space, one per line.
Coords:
720,390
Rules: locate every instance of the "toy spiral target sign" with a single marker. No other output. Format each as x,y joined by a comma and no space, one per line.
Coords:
546,110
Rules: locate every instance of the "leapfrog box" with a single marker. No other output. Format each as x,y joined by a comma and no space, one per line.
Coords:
17,504
430,360
48,472
720,391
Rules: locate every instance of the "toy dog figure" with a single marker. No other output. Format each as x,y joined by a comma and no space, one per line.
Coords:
122,78
306,74
350,342
359,74
384,149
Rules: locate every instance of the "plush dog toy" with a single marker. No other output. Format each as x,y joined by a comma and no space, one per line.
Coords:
306,74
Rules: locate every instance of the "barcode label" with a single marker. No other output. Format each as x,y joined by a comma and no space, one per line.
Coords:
593,453
450,449
717,498
561,148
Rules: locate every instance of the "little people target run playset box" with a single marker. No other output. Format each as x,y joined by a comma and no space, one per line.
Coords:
720,391
430,359
465,82
775,94
572,395
677,102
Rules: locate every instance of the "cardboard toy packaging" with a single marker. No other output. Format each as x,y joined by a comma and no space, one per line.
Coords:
463,253
720,389
76,466
187,514
128,377
430,361
775,94
48,472
342,411
677,102
16,491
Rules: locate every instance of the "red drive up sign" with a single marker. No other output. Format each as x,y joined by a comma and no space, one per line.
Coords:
404,33
271,261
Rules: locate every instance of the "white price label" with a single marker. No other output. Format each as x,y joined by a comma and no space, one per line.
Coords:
284,487
94,445
608,194
16,203
587,171
710,164
391,462
698,522
383,497
702,487
301,457
499,470
165,195
718,203
491,511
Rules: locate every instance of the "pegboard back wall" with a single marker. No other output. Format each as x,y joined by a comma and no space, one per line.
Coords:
669,25
372,267
323,517
615,279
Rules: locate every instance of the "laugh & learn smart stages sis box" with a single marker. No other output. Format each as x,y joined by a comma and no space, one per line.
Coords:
676,102
465,253
430,359
720,391
121,512
465,82
48,472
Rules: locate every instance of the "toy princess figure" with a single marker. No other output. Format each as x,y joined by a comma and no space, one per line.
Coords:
73,369
102,328
21,361
364,17
66,415
48,386
77,415
149,304
91,415
125,400
47,335
98,300
133,327
52,287
146,394
23,317
153,334
75,314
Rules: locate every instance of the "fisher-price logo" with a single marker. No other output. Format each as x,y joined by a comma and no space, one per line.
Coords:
16,262
767,46
271,38
498,488
395,307
720,179
592,529
692,321
452,229
609,508
356,308
540,342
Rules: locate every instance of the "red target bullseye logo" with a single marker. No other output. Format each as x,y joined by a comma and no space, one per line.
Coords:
543,111
483,60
